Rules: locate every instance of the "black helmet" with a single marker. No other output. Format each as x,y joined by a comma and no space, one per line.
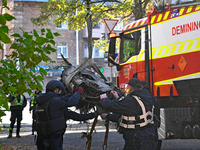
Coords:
53,84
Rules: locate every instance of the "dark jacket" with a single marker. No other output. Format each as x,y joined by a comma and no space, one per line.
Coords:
68,114
156,113
128,106
113,117
58,104
32,102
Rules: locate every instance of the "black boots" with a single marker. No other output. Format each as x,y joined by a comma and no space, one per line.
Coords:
18,136
10,133
17,133
9,136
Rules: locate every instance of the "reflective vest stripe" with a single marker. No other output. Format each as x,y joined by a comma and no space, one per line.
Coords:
16,103
143,116
32,100
127,118
127,126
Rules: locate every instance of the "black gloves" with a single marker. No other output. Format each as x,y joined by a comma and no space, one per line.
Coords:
100,110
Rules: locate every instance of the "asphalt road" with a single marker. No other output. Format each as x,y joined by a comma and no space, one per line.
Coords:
73,140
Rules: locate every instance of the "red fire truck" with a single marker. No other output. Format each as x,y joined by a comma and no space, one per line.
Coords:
164,50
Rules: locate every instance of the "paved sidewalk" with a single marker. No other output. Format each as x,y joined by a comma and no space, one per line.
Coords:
72,138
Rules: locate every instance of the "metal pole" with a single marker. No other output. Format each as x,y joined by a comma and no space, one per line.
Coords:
77,50
111,73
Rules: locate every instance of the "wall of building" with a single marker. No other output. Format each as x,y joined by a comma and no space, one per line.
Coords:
24,11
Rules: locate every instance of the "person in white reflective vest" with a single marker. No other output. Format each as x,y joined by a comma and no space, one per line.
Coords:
17,105
136,110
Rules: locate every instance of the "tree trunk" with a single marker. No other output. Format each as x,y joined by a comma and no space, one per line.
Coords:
138,10
89,27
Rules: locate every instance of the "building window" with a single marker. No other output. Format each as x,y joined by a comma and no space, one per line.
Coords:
96,52
96,25
119,26
85,50
63,25
62,50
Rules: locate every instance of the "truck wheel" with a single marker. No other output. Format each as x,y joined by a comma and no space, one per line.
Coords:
159,145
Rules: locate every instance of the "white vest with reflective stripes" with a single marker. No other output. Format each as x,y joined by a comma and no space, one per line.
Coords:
16,103
143,116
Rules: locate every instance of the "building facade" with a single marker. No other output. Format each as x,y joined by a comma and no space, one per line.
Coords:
24,10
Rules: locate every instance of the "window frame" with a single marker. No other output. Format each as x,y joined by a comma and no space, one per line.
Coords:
119,24
62,26
137,45
62,46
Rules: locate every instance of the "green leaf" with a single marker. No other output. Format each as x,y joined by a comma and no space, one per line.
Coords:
41,40
52,42
2,70
2,20
14,46
40,77
35,33
49,34
28,80
42,30
4,29
56,34
28,36
5,3
16,35
11,64
1,47
29,91
4,38
9,17
21,29
43,71
12,89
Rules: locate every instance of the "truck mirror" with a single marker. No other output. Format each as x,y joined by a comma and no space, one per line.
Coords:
111,53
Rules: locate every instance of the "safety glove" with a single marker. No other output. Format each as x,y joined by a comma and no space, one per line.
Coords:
100,110
80,89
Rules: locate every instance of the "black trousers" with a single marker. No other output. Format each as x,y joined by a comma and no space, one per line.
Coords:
52,142
15,115
139,139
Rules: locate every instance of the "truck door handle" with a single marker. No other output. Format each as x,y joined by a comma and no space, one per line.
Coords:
172,67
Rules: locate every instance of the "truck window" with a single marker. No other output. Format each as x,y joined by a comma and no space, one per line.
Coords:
130,45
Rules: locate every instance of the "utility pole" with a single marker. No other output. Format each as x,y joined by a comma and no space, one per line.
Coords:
77,49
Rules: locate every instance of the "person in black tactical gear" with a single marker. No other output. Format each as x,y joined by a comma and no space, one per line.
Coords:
156,118
136,109
17,104
51,114
32,107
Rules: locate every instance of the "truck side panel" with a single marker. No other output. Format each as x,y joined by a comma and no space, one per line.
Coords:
175,47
